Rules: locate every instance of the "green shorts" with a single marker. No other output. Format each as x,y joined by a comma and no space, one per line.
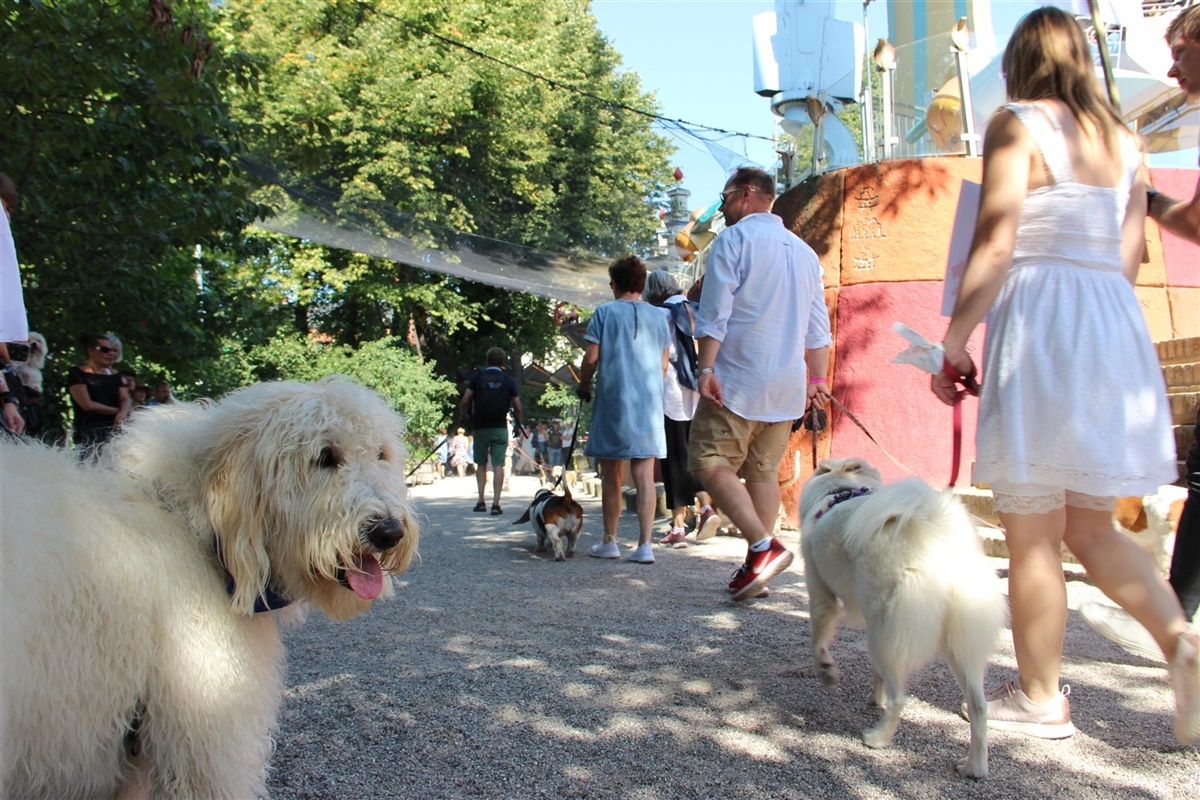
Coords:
493,441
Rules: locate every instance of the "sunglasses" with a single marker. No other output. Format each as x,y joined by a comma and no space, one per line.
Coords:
726,195
104,349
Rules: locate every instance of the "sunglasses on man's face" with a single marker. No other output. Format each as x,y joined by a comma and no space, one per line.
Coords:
104,349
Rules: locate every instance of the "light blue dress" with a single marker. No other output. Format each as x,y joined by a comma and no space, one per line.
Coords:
627,419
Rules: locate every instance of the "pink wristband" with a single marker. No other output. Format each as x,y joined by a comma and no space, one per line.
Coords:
816,380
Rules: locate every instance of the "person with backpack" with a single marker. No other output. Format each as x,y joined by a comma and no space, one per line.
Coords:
490,392
680,399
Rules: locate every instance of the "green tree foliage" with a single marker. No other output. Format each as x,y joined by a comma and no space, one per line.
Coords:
117,135
374,101
128,126
408,383
376,105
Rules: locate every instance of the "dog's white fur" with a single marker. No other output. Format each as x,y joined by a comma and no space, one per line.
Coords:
30,372
904,559
115,604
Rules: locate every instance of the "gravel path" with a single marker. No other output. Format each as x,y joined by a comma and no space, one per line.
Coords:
496,673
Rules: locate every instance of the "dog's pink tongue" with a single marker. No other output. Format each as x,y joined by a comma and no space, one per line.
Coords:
365,577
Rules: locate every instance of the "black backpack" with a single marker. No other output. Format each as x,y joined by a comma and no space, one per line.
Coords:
491,398
685,360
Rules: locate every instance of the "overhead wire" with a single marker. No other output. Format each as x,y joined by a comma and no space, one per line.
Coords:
557,83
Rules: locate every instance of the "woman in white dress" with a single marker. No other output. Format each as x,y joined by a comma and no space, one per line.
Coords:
1073,409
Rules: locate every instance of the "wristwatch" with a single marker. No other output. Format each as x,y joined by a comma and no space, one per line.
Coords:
705,371
9,397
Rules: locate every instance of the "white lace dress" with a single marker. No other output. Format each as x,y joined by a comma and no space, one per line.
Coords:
1073,396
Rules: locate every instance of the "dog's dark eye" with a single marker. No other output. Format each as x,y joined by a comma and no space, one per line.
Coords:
383,455
329,459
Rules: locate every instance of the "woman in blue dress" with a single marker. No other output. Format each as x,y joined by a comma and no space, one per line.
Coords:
628,343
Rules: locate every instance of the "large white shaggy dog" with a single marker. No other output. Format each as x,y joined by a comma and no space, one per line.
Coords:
129,588
904,559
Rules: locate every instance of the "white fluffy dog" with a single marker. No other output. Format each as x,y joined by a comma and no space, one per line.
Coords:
904,559
129,588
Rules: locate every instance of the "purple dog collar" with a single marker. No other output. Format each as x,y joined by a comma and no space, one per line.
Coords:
841,497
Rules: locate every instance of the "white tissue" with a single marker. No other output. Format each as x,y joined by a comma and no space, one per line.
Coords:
921,353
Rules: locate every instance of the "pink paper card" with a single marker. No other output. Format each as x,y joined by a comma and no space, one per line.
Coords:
960,243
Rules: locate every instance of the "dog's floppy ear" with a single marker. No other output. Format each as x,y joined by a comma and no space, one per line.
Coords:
234,499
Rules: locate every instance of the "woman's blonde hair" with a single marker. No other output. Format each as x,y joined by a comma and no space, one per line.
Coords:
1048,57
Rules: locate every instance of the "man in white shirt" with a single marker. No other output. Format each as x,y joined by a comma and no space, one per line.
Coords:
1182,217
762,329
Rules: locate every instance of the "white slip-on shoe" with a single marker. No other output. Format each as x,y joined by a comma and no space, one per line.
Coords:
605,550
644,554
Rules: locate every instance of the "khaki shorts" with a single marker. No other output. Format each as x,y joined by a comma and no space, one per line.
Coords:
720,438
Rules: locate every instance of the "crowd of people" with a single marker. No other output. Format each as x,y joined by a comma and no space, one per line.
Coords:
1052,269
101,397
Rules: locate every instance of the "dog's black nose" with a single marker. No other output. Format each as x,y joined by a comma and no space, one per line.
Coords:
385,533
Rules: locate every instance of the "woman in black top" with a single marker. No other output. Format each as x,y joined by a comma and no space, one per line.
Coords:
100,401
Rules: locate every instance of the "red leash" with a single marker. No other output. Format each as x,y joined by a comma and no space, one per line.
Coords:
970,387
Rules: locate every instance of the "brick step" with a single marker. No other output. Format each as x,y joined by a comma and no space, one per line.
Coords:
1183,407
1182,377
1179,351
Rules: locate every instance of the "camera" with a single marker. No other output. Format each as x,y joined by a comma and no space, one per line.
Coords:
18,351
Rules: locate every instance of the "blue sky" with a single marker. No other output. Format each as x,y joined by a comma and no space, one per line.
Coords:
696,56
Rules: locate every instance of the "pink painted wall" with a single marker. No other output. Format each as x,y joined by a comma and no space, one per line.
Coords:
893,401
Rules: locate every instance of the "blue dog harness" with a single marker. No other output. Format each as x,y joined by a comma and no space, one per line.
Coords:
841,497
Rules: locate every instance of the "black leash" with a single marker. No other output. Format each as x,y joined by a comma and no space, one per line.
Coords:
426,458
567,462
815,420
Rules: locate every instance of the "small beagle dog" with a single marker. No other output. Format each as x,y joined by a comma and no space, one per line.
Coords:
555,518
1151,521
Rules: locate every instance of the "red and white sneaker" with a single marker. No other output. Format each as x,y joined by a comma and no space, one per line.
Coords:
758,569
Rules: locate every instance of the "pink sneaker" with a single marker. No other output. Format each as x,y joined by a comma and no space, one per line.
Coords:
1185,680
1010,709
758,569
677,538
